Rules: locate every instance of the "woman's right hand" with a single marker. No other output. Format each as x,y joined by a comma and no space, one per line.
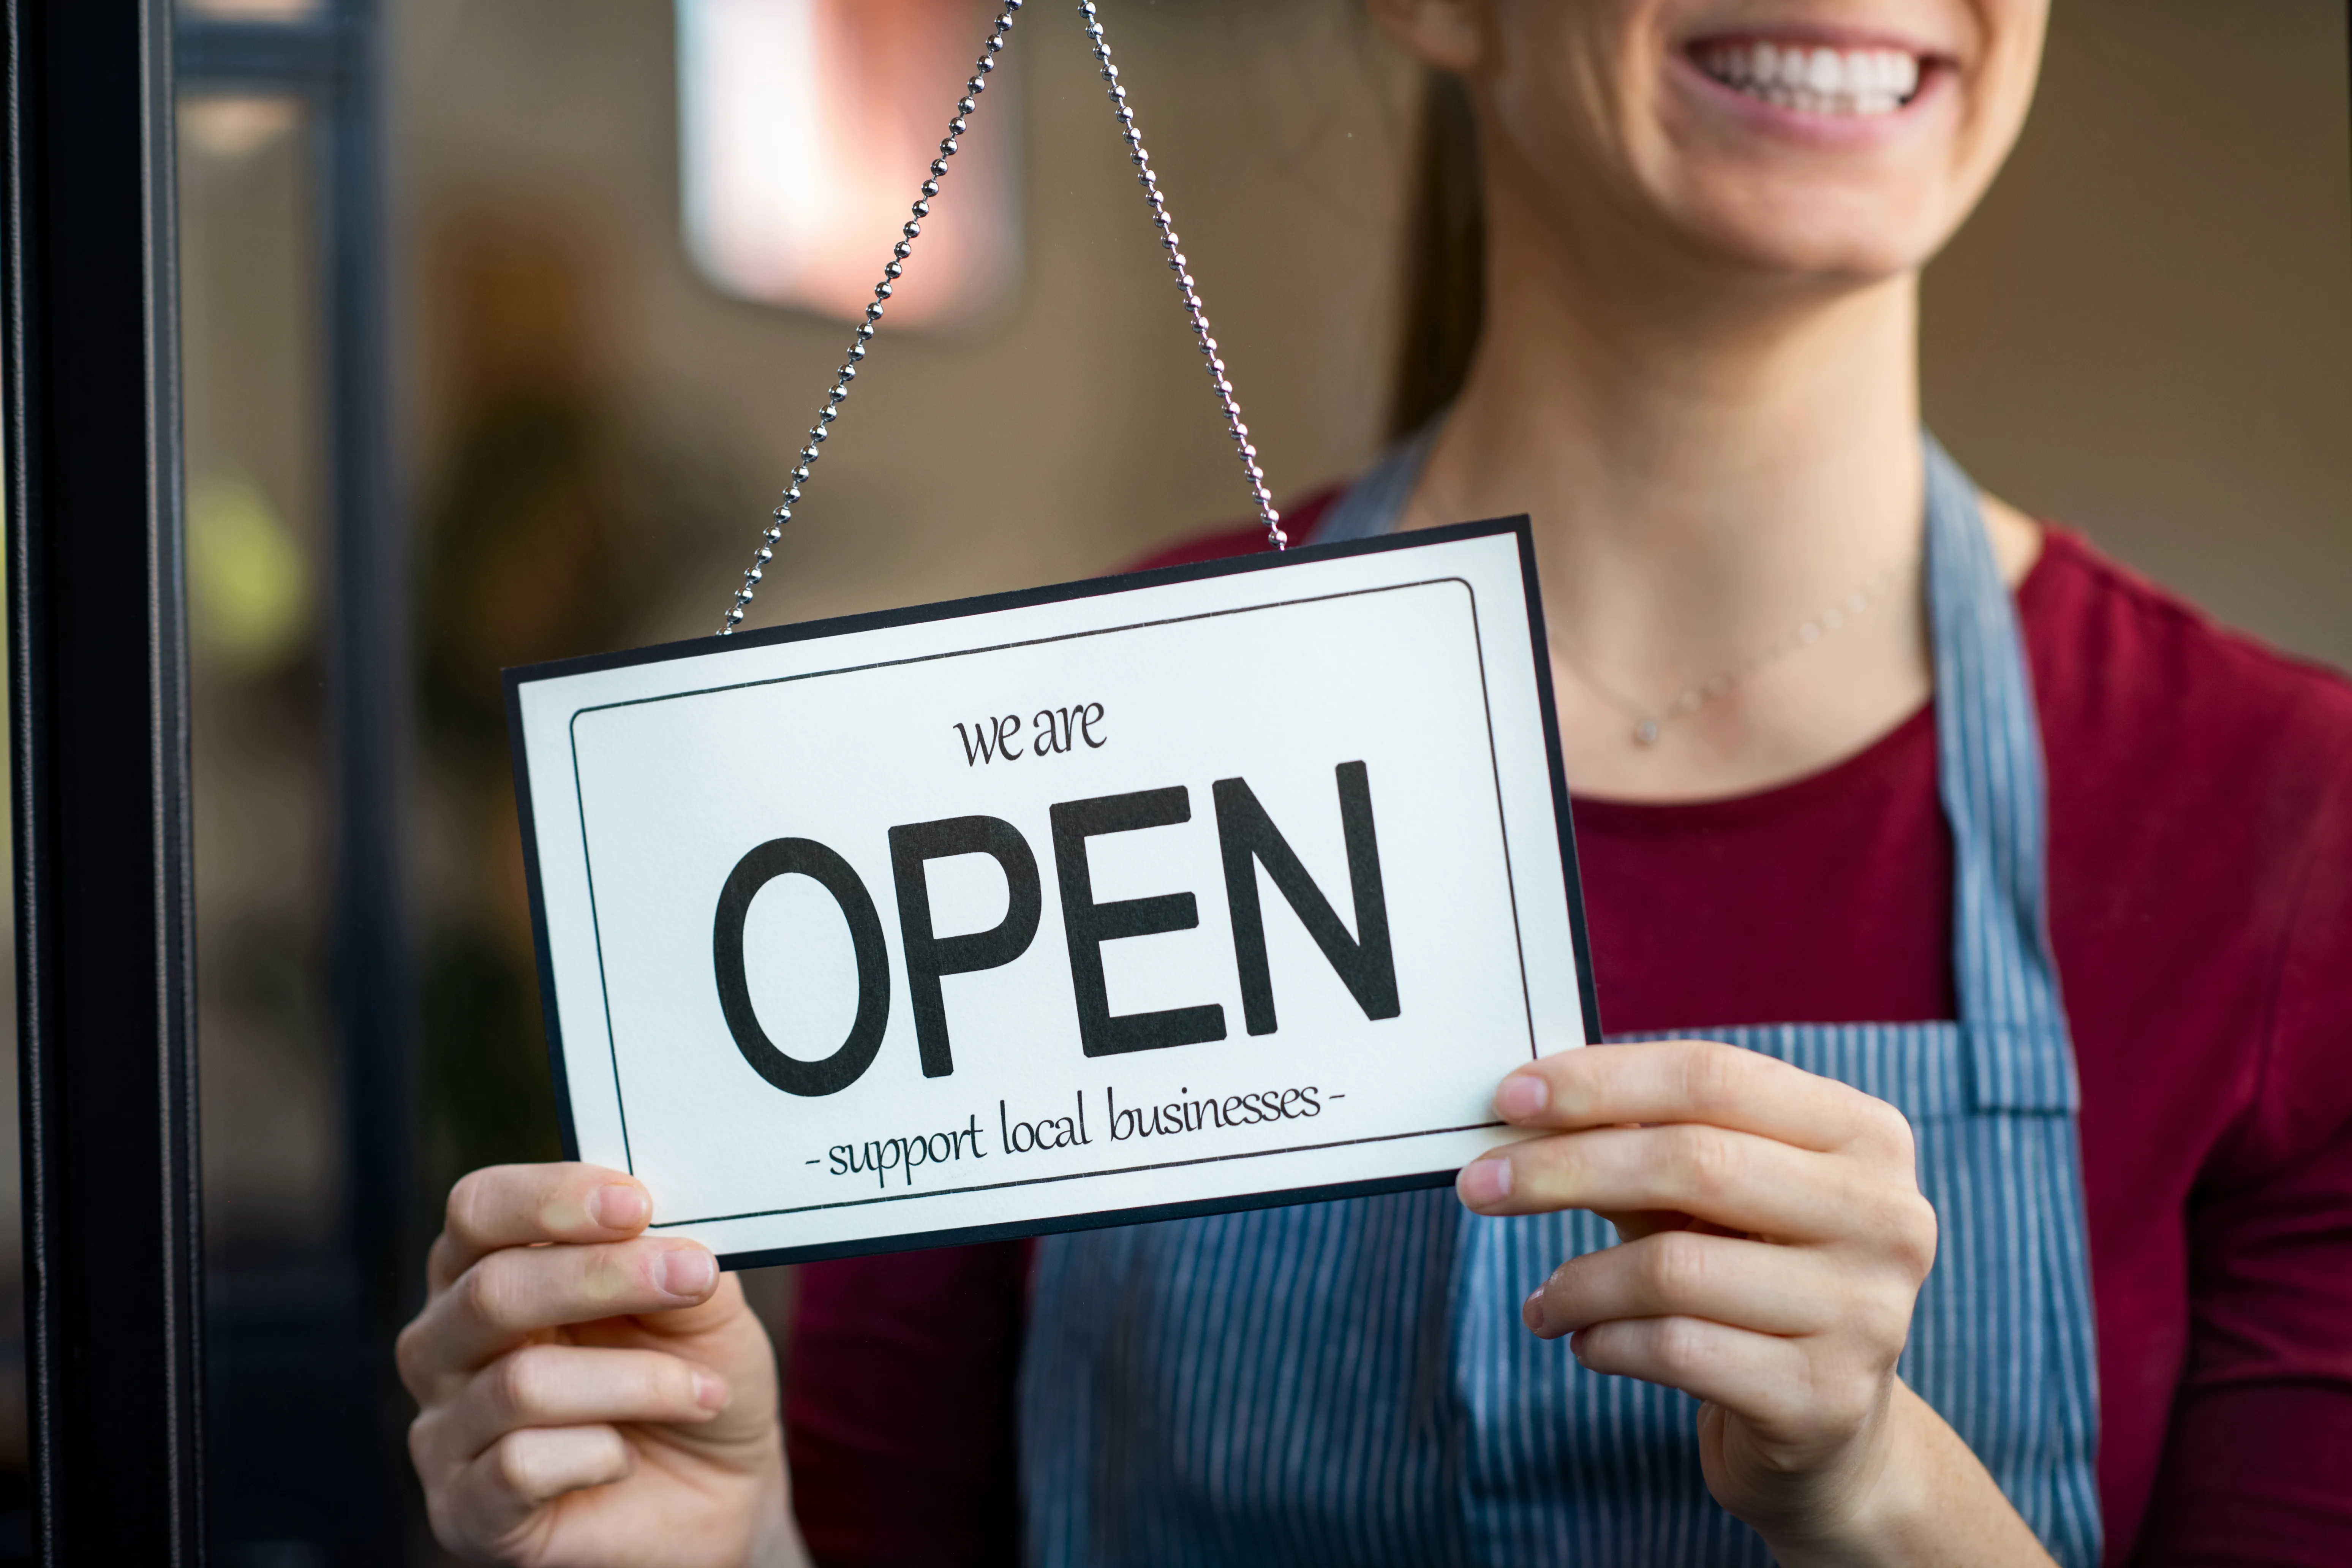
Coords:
590,1395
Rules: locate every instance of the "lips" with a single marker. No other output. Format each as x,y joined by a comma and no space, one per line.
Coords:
1814,79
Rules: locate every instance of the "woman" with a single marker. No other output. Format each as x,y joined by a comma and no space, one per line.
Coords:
1909,1261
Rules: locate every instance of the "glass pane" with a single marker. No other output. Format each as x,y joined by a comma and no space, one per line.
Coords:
250,342
600,433
2144,332
279,1280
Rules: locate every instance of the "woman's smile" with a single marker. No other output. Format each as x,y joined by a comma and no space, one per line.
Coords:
1817,86
1813,79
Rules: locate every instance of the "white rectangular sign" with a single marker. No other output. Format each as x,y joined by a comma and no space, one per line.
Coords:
1206,889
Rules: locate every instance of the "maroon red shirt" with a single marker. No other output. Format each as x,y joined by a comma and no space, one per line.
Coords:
2201,889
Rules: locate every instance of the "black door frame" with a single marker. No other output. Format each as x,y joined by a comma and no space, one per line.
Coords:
98,704
100,728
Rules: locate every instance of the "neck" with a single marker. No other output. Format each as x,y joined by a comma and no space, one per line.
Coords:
1697,475
1709,463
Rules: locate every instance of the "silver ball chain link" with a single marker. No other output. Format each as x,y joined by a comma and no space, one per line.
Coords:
1150,181
913,230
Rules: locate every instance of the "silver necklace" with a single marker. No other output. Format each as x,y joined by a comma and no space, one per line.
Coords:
1650,720
1145,176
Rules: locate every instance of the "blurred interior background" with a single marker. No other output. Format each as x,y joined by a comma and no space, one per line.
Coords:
503,320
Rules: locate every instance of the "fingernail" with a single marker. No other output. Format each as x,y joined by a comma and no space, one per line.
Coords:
619,1206
689,1272
710,1390
1522,1096
1531,1309
1485,1182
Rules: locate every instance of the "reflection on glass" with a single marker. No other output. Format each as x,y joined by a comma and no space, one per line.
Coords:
255,10
250,342
804,129
225,130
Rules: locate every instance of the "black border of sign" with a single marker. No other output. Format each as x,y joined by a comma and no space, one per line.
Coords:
954,609
595,917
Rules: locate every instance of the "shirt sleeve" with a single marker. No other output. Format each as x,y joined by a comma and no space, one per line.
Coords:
2258,1468
898,1408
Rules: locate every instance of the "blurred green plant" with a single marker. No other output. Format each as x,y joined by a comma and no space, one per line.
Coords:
248,584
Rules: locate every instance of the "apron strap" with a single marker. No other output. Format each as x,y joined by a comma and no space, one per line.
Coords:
1989,773
1989,768
1375,503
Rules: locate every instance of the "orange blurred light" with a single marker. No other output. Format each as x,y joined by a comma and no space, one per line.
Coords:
806,127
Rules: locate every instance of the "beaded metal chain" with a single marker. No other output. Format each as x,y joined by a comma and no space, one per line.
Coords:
1176,264
904,247
890,272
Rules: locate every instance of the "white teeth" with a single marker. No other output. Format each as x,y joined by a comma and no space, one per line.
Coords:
1816,80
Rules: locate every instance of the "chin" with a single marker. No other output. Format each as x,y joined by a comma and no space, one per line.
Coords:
1849,149
1843,233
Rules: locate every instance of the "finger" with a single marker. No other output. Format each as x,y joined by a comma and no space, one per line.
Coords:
510,1295
1761,1377
495,1497
1749,1184
571,1385
1741,1284
520,1206
1706,1081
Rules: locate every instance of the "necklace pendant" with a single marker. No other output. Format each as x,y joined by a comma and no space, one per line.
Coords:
1647,733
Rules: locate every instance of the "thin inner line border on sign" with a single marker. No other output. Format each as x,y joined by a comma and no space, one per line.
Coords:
1502,822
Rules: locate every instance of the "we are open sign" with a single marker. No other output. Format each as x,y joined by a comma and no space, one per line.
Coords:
1225,886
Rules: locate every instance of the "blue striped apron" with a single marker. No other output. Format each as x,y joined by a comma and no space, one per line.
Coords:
1350,1382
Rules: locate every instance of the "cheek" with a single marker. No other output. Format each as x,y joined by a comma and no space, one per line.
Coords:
1991,107
1558,100
2012,69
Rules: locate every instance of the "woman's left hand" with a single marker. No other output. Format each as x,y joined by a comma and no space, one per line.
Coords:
1774,1241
